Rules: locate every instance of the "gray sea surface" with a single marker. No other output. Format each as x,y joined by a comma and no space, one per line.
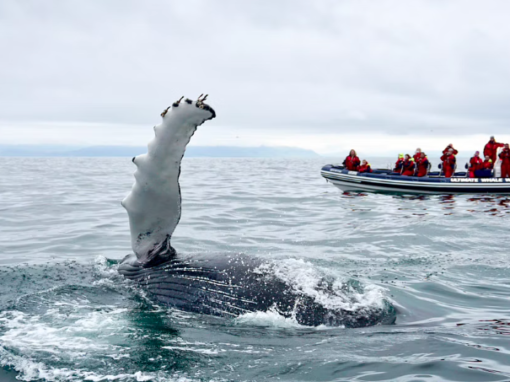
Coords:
66,314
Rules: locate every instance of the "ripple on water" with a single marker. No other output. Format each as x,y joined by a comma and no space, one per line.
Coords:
442,261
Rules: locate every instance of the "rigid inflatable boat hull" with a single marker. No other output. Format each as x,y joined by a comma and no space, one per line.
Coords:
383,181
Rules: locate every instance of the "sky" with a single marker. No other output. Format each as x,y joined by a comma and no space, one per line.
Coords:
379,76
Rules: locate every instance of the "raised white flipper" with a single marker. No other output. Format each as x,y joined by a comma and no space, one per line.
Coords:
154,203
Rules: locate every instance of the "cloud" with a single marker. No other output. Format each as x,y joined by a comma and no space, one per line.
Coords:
274,70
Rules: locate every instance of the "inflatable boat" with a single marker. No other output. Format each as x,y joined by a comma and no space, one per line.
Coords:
383,180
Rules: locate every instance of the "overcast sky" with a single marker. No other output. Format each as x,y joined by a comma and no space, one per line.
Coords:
379,75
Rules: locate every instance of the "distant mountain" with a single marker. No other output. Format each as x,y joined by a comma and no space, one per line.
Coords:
34,150
130,151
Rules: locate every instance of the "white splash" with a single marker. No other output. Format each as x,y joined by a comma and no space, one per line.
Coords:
154,203
304,277
271,319
30,344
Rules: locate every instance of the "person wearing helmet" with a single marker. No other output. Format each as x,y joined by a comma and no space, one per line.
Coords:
408,166
365,166
398,164
475,164
449,161
505,161
491,149
422,165
351,162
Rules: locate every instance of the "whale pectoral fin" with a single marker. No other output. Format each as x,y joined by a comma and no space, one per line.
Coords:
154,203
160,254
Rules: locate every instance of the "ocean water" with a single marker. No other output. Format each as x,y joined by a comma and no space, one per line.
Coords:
66,315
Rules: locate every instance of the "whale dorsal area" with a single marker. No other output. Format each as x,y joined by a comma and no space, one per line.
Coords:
154,203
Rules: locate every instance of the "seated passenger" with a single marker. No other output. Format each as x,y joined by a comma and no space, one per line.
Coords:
449,161
505,161
351,162
417,155
398,164
487,163
408,167
475,164
365,167
486,170
423,165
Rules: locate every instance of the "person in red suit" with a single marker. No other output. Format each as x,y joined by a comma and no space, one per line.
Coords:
408,167
398,163
351,162
449,160
450,147
475,164
505,161
485,171
417,155
423,165
488,164
365,167
491,149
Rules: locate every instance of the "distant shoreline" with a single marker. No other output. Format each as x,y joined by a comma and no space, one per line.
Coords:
131,151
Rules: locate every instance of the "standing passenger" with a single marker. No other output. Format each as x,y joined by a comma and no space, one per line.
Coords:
491,149
505,158
423,165
408,167
351,162
449,160
448,148
475,164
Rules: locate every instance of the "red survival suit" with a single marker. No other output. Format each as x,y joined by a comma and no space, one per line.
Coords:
423,166
417,157
505,165
351,163
408,168
455,151
448,164
488,164
475,163
398,165
491,149
365,168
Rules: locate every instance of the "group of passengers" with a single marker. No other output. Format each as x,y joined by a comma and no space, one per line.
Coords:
479,168
419,165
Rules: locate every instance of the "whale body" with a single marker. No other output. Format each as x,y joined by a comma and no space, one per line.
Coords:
226,285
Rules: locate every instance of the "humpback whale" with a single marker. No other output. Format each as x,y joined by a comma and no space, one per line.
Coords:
226,285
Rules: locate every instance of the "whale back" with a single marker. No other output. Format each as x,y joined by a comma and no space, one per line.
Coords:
154,203
233,284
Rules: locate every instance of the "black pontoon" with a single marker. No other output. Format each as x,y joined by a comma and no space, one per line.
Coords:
382,180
